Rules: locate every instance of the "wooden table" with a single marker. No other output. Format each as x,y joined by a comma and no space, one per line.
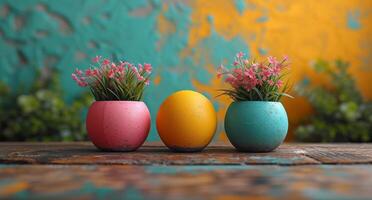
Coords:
78,170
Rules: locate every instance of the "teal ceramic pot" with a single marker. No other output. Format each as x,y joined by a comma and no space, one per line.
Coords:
256,126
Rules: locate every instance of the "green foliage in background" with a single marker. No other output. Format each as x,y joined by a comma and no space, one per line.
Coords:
341,115
39,112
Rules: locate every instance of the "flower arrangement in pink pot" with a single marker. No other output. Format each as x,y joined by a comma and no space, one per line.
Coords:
256,121
118,120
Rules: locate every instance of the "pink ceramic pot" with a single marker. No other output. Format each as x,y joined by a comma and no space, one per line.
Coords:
118,125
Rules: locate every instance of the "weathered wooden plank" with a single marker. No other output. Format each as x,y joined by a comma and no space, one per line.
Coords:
340,154
149,154
156,153
185,182
218,172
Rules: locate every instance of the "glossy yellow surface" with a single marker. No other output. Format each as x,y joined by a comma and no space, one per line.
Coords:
186,120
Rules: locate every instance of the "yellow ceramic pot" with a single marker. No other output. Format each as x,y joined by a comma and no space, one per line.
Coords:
186,121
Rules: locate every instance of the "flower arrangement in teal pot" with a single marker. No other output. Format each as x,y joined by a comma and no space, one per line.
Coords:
256,121
118,120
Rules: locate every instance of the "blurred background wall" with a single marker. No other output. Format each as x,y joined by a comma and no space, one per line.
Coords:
185,41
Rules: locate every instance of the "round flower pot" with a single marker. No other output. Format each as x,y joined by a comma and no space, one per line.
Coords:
118,125
256,126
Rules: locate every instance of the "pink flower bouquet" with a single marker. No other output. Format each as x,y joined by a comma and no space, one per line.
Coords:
118,120
255,81
111,81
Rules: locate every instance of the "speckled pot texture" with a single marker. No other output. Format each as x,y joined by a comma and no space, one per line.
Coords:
256,126
118,125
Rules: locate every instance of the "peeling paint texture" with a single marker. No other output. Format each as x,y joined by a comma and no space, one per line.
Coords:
184,40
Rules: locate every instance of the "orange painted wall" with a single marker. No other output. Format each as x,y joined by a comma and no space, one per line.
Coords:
304,30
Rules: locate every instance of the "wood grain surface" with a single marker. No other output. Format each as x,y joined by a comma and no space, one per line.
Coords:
80,171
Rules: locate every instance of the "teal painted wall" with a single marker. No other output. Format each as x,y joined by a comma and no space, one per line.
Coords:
184,40
66,34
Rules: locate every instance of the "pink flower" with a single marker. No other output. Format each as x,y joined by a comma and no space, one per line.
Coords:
255,66
124,63
120,69
148,67
250,81
285,58
272,60
246,76
94,77
134,69
138,75
238,71
238,74
254,81
279,83
275,70
140,78
97,59
88,72
95,72
240,55
82,83
113,66
140,68
111,74
78,72
121,64
74,77
230,79
79,80
250,73
265,74
106,62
